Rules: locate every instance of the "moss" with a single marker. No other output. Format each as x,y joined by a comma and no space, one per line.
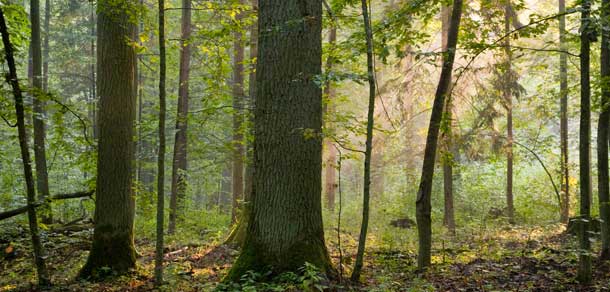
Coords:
253,259
112,254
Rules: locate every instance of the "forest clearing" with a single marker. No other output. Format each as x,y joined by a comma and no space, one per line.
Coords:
305,145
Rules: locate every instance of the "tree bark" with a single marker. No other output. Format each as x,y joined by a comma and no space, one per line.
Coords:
285,226
331,158
161,157
42,176
15,212
563,84
584,267
448,147
602,134
508,98
238,120
368,152
113,245
423,204
46,48
179,166
43,277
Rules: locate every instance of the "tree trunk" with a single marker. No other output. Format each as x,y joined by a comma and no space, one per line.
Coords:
423,204
238,120
113,245
563,84
368,153
508,98
179,166
448,147
602,135
238,234
331,158
45,48
161,157
43,277
584,267
42,176
285,226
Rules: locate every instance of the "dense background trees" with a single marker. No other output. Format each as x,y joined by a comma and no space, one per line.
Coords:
308,135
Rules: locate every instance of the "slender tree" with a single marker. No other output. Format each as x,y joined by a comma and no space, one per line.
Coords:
602,134
423,204
180,148
45,46
369,143
113,245
238,234
11,78
161,157
285,228
508,99
42,176
584,267
330,169
563,91
448,147
238,118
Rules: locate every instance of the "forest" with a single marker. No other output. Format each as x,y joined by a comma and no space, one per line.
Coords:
305,145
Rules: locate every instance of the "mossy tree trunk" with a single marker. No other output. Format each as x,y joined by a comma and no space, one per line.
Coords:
508,99
584,267
448,146
113,245
602,134
161,157
330,169
424,204
285,226
179,166
40,157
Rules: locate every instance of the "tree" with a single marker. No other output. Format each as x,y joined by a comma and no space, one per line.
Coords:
508,99
179,165
161,157
584,267
11,78
563,91
369,143
238,118
285,227
331,158
423,204
449,149
112,245
602,134
42,175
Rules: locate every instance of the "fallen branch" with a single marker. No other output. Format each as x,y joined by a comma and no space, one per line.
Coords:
21,210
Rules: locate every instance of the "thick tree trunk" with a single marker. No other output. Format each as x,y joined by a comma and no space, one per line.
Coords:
602,134
584,267
161,157
179,166
563,85
448,147
330,169
113,245
368,152
508,98
42,176
238,121
43,277
285,226
423,204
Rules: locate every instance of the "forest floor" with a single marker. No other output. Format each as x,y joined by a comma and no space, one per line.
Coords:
509,259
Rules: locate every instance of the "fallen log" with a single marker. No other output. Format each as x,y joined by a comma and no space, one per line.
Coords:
21,210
